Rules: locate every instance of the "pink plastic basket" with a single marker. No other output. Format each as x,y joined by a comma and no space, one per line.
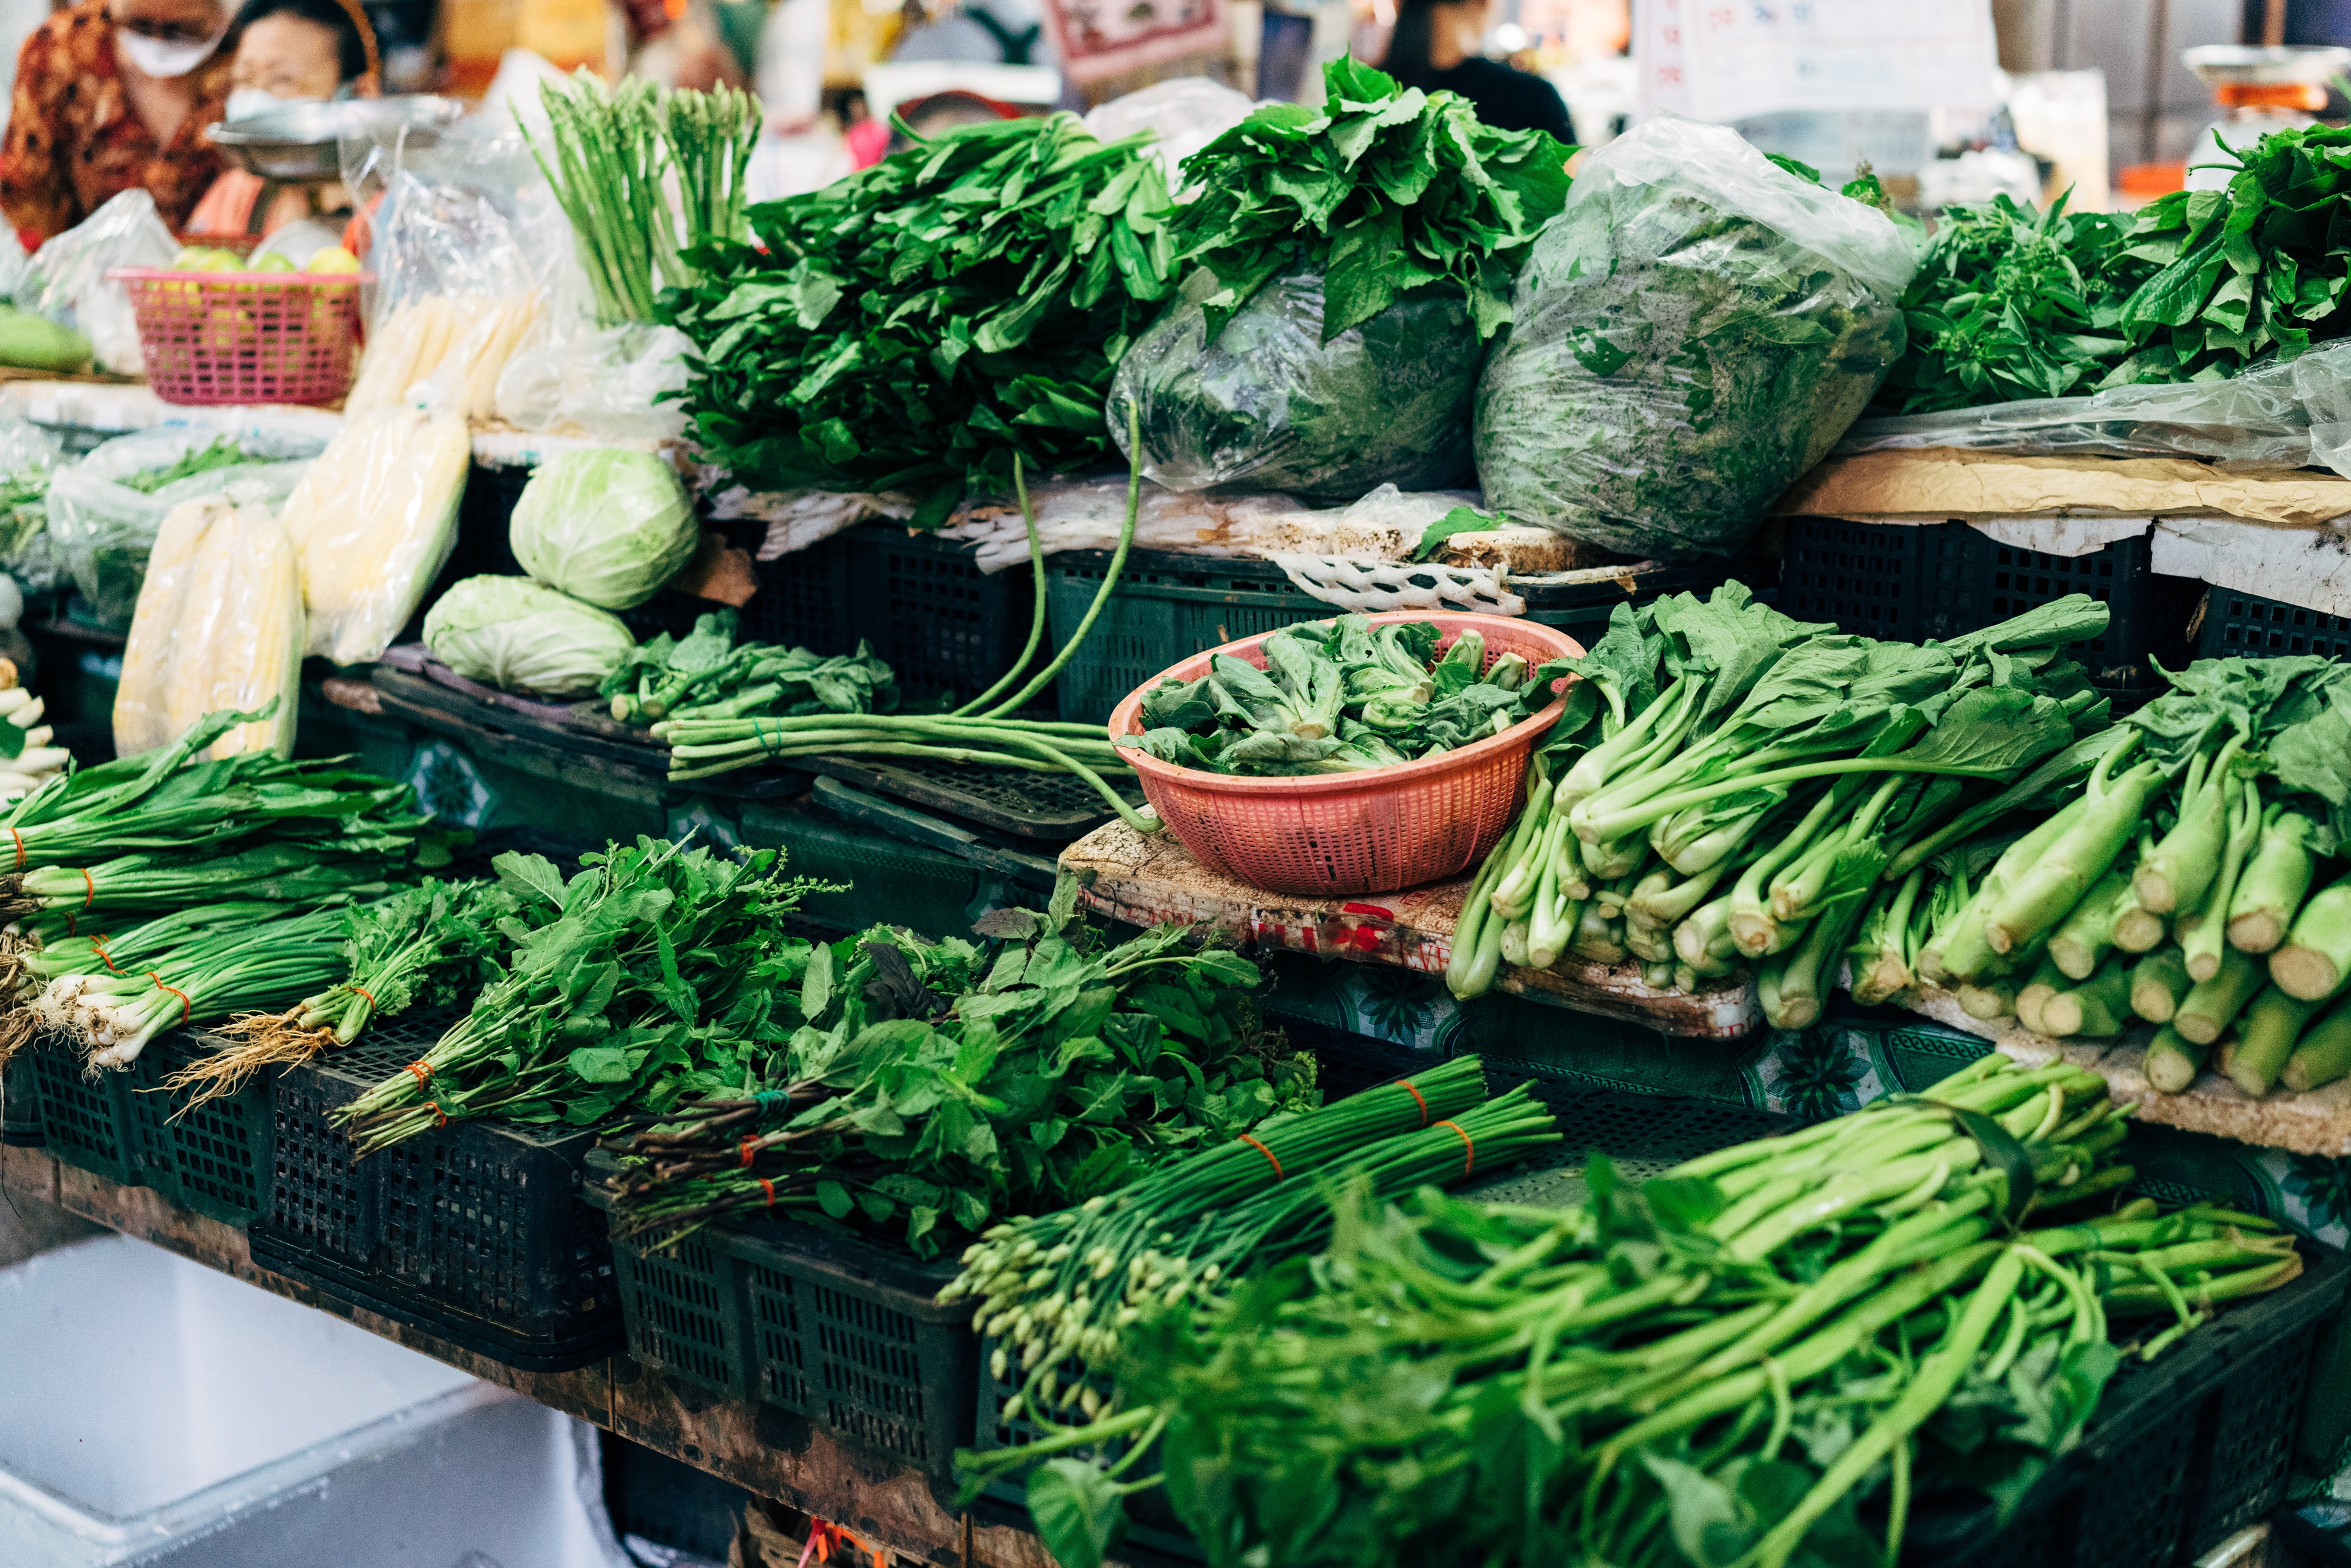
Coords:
245,337
1340,833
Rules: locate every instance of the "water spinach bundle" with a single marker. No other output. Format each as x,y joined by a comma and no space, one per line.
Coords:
2192,881
1728,786
937,1087
1786,1352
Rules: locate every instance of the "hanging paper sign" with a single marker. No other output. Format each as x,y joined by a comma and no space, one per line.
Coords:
1097,38
1724,60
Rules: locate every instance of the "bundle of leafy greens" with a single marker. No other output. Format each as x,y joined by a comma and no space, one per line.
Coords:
707,675
916,325
2256,267
2193,881
1694,331
1337,696
1352,261
1809,1348
935,1088
2011,304
1729,785
656,973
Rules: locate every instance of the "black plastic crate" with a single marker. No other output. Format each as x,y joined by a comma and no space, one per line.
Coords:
2184,1451
1864,577
85,1121
682,1310
2247,626
938,621
214,1158
20,1101
477,1232
804,599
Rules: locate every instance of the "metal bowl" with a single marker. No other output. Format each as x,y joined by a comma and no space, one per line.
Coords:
2250,65
300,141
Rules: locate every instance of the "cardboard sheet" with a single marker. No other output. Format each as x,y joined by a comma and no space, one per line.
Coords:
1943,483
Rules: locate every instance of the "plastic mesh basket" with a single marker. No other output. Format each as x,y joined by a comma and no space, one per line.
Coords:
246,338
1371,832
2247,626
85,1122
213,1158
20,1103
681,1309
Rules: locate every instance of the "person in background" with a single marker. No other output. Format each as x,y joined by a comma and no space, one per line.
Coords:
112,95
286,52
1437,48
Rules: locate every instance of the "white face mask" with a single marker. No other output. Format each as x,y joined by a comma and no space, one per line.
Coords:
157,57
246,102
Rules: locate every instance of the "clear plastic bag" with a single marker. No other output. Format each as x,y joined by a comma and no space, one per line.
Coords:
2289,413
219,625
1695,330
103,528
68,282
1186,114
455,295
375,519
28,456
1271,404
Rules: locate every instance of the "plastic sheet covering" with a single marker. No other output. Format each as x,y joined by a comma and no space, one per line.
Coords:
219,626
375,519
1185,114
101,527
456,296
1271,405
2291,413
67,280
28,455
1695,330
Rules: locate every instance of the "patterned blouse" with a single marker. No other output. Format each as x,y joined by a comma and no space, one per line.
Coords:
74,140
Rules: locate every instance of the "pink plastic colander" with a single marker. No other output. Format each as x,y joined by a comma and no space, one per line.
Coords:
1335,834
245,337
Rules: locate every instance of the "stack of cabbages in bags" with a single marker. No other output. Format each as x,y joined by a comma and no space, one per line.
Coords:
598,531
1388,292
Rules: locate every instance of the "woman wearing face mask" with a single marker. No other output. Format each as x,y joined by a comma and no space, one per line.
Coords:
1438,45
286,52
111,94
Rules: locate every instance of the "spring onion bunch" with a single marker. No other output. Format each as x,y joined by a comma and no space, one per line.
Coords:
983,731
1729,785
431,946
1056,1289
2192,881
653,974
1894,1309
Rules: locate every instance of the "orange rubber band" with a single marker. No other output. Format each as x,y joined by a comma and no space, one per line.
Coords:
98,946
91,888
1469,1159
434,1107
748,1147
1261,1148
421,1069
370,1001
184,1007
1406,1084
20,847
769,1188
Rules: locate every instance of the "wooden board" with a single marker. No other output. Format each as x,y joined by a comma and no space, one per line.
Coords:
755,1447
2318,1122
1149,880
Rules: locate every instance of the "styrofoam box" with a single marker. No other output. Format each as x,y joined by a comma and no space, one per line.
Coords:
156,1412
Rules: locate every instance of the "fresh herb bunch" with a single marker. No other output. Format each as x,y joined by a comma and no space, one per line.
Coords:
1891,1312
656,973
1335,697
1728,785
706,675
1381,190
916,326
2192,881
937,1088
2259,267
222,452
2011,304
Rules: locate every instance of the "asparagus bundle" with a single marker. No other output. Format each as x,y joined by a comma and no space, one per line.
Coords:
941,1083
1743,1351
2175,884
1729,785
1057,1288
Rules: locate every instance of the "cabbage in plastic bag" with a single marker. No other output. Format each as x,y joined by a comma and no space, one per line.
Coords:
525,637
1694,331
1272,406
609,525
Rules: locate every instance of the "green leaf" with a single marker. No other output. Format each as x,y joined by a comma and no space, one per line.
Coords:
600,1064
1078,1511
833,1199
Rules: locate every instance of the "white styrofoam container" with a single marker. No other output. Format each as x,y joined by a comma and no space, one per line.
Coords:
155,1412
